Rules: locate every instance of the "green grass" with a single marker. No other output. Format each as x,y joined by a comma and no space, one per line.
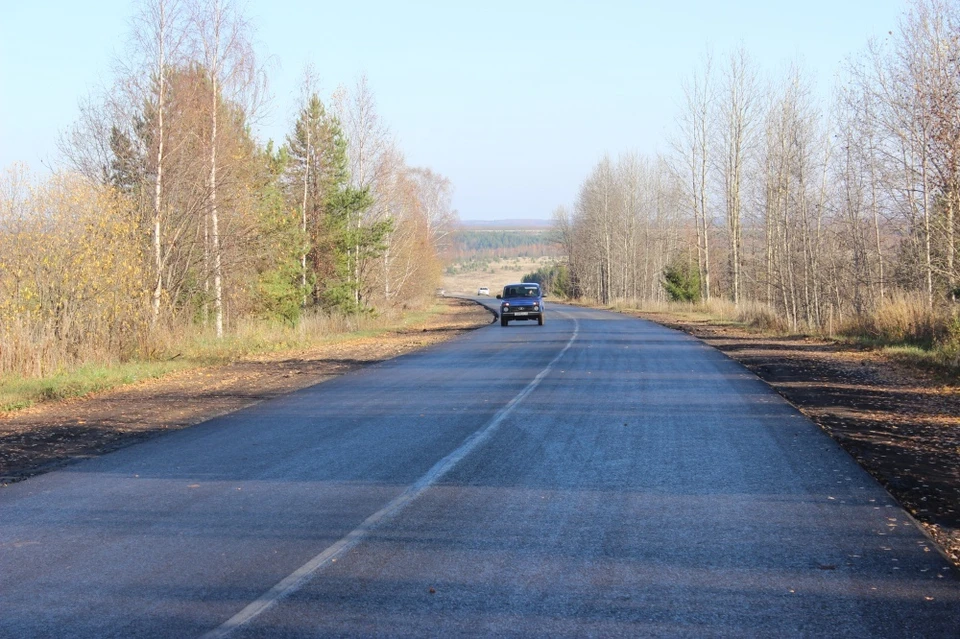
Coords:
17,392
201,349
935,360
911,354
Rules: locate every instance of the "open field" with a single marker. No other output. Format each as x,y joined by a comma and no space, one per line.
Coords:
495,275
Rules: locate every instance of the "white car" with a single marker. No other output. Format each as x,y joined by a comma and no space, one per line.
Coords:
483,290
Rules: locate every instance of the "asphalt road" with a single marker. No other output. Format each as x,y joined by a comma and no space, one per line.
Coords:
597,476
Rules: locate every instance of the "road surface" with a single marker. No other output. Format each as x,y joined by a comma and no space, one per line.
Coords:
597,476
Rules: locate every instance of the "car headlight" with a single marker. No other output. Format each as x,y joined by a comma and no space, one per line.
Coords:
505,305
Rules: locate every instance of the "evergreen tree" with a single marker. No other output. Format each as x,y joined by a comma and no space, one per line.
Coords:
351,242
126,165
316,174
318,180
553,279
682,281
280,290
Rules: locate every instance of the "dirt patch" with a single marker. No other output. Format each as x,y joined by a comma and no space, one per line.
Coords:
46,436
900,423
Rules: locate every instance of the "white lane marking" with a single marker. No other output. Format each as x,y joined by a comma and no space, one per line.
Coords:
299,577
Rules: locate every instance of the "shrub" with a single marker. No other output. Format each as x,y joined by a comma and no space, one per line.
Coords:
71,276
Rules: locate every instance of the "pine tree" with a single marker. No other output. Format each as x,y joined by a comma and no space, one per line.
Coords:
317,172
352,242
280,289
319,182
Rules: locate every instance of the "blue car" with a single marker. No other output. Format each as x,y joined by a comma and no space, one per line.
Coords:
521,302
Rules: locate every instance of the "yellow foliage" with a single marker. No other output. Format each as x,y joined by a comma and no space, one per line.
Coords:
71,274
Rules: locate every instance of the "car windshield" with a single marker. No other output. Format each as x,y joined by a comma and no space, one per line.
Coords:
521,291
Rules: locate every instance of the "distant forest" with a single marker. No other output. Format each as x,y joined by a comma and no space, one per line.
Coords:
478,243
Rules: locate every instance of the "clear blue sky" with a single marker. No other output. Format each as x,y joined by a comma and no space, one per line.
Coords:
513,101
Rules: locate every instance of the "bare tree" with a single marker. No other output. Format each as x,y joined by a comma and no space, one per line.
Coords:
913,82
624,230
436,197
738,111
86,144
696,126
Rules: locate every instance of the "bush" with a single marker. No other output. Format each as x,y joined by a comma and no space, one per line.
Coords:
72,283
948,346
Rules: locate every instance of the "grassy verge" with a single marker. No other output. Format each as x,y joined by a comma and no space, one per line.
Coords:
18,392
938,360
203,349
749,315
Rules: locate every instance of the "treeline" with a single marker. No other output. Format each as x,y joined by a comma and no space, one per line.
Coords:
469,243
168,212
554,279
824,211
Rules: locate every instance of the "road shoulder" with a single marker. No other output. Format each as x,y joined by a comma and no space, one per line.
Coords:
47,436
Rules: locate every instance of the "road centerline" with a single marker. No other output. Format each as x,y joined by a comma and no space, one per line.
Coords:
295,580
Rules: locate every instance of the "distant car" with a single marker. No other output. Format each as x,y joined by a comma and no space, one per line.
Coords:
483,290
521,302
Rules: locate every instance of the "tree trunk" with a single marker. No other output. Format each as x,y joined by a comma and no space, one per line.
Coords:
158,186
214,214
928,255
303,220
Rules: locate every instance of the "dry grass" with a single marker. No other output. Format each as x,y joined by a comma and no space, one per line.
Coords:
494,274
902,319
40,368
904,327
752,314
250,335
38,348
908,330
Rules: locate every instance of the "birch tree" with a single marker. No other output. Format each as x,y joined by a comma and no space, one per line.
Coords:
158,34
368,148
737,112
694,158
224,47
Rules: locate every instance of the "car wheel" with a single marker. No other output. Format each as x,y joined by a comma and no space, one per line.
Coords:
540,320
503,321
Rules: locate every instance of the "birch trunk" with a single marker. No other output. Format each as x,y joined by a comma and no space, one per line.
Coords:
303,221
215,218
158,187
